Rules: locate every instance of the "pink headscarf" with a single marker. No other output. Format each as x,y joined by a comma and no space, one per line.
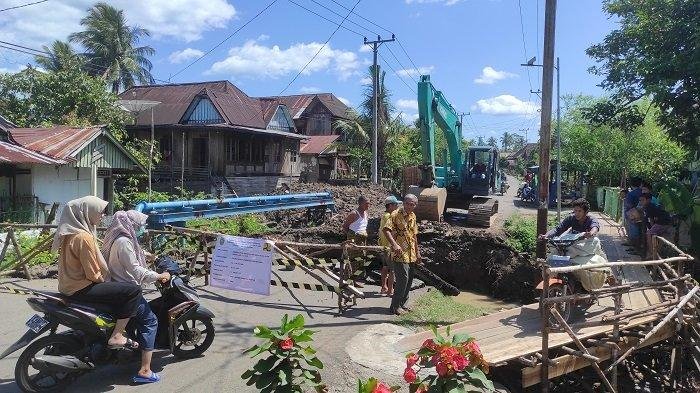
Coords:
125,224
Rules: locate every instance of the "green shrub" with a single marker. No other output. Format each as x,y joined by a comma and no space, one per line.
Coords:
26,243
521,233
244,225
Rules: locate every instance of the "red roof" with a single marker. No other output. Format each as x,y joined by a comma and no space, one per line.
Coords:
15,154
317,144
298,103
59,142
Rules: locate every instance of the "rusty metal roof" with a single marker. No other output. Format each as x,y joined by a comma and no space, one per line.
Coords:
317,144
16,154
59,142
297,104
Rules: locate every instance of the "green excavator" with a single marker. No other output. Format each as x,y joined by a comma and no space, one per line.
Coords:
467,180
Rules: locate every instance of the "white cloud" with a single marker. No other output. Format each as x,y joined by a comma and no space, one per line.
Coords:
409,118
446,2
184,55
366,80
309,89
407,104
365,48
345,101
489,76
505,104
255,60
184,20
424,70
262,37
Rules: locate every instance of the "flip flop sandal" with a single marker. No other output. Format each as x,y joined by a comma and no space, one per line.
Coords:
129,344
143,380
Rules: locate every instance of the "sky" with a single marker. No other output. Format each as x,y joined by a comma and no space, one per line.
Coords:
472,49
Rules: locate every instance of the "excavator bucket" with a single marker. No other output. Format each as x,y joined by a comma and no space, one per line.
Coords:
431,202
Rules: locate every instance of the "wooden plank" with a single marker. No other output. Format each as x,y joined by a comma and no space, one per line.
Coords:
569,363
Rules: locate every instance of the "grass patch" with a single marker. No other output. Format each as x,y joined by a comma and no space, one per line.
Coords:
434,308
521,232
245,225
26,243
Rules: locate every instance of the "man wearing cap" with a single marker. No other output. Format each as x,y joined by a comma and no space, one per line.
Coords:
401,230
390,204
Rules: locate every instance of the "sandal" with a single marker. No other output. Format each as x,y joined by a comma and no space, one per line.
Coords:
143,380
129,344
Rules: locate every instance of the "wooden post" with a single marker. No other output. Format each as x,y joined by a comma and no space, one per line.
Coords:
18,250
544,315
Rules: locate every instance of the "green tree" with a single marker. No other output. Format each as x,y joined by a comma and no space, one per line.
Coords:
492,142
60,57
111,48
654,53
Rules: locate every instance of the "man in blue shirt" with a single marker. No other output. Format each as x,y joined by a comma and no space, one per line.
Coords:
579,221
631,202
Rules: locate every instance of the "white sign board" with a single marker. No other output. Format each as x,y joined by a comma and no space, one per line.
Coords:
242,264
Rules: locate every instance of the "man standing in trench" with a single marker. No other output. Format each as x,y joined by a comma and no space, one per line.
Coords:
401,231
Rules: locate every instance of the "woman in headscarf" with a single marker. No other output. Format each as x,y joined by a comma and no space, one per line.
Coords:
127,263
82,272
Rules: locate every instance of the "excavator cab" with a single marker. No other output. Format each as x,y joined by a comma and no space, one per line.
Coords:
481,177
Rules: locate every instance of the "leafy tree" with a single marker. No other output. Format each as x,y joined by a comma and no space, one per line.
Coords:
492,142
507,141
112,50
60,57
653,53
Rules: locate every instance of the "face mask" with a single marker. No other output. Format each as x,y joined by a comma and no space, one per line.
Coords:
140,231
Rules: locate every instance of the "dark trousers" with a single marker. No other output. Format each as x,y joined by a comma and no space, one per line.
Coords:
146,325
122,298
403,278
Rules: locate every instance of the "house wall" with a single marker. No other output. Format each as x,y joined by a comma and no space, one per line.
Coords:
61,184
309,168
316,120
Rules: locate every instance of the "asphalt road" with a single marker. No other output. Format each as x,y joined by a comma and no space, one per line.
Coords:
221,366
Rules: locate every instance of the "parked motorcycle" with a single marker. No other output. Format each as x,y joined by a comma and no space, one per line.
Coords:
564,284
504,186
527,193
51,363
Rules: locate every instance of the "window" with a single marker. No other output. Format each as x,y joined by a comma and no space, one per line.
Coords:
293,154
258,154
280,121
320,124
231,148
165,148
244,152
202,111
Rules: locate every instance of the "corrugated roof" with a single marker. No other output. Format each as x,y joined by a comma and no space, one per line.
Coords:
5,124
234,106
317,144
59,142
12,153
299,102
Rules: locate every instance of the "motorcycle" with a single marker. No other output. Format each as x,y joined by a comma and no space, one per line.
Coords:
527,193
564,284
51,363
504,187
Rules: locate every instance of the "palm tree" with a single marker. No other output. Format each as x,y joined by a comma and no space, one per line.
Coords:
384,107
352,129
492,142
112,50
60,57
507,141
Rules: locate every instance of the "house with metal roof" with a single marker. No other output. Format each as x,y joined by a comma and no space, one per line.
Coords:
315,114
43,166
212,135
322,158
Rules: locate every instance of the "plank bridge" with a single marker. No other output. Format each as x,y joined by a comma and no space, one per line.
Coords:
653,301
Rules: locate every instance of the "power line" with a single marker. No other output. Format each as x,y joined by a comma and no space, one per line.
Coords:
397,74
349,20
224,40
409,57
23,5
522,33
326,19
319,50
401,65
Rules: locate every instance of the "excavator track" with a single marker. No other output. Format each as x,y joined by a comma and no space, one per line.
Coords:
481,209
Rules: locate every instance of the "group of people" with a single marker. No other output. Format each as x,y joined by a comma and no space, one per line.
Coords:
112,275
644,217
398,232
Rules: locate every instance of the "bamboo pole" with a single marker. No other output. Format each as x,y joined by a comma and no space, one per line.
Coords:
580,354
582,347
569,269
631,313
674,247
658,326
629,287
18,250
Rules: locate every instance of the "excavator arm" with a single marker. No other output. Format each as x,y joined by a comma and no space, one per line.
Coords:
433,108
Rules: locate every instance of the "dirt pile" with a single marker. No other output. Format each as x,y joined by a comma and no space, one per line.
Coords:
478,260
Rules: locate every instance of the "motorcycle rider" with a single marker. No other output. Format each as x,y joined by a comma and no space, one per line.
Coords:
579,221
127,262
83,274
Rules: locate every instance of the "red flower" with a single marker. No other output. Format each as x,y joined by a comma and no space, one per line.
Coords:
430,344
459,362
409,375
286,344
381,388
473,347
448,352
411,359
442,369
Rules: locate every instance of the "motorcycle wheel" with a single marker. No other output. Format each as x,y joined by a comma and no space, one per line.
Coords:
43,382
193,336
564,308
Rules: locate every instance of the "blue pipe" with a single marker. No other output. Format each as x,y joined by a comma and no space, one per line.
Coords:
150,206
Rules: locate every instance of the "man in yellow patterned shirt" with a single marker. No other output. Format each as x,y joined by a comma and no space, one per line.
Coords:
401,231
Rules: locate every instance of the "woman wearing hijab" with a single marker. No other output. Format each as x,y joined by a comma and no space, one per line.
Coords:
82,272
127,263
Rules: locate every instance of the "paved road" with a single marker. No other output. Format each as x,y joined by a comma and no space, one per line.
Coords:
221,366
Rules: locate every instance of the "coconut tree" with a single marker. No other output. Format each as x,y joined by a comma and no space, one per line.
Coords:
60,56
112,50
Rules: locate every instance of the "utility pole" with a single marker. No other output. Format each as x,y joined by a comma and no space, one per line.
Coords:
525,130
558,148
375,102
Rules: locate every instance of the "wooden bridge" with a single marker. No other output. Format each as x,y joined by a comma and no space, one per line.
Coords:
643,309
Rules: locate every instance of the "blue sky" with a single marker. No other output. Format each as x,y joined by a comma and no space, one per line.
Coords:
471,48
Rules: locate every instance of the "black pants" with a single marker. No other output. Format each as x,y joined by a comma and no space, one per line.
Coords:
403,278
122,298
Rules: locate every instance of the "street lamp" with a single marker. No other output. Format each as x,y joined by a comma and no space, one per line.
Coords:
136,107
531,63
